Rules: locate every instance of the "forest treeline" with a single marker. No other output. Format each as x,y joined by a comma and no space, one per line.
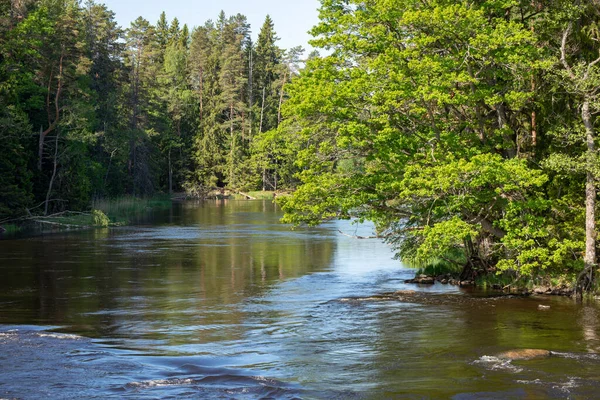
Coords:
89,110
465,130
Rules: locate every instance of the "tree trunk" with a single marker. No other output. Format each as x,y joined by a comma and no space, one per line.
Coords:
503,123
590,191
250,90
112,153
478,107
262,111
170,174
53,175
41,149
232,150
51,123
538,8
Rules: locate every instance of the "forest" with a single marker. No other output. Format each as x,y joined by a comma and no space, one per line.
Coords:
464,130
90,110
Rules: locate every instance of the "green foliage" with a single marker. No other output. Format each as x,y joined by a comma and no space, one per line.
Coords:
100,219
459,128
15,178
435,120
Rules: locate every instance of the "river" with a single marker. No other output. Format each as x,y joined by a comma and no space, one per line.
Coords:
219,300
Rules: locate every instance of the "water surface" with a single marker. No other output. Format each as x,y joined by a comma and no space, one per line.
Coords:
219,300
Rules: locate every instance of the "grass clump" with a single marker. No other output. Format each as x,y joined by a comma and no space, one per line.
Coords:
100,219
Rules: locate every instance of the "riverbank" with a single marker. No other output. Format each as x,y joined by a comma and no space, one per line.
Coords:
499,283
104,213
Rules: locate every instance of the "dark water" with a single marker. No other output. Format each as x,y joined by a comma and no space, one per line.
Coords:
220,301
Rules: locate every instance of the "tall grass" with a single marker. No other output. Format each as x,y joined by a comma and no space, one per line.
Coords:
124,209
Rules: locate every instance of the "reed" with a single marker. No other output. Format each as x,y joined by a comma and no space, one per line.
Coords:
123,209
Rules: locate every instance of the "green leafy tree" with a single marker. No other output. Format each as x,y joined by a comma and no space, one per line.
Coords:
420,119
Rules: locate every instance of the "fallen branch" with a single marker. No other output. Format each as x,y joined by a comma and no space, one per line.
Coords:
41,221
247,195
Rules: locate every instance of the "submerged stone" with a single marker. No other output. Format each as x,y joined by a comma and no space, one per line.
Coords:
524,354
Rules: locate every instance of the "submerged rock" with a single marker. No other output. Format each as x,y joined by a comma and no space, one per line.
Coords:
422,279
404,292
542,290
556,291
524,354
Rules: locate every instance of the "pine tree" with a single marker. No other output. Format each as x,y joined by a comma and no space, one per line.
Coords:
143,62
265,70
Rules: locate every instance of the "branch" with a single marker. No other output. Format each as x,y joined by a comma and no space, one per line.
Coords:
590,65
563,52
360,237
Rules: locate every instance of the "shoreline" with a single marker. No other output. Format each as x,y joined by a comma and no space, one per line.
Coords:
449,279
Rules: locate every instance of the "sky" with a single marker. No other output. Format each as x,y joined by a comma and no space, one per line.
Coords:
292,18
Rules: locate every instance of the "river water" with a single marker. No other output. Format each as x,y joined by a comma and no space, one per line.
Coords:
219,300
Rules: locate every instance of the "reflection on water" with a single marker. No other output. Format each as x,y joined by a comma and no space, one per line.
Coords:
219,300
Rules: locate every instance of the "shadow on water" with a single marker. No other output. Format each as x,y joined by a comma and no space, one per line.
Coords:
219,300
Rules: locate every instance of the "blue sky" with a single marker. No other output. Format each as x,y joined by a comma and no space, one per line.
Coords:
292,18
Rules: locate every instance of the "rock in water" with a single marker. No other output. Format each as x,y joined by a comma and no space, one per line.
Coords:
422,279
524,354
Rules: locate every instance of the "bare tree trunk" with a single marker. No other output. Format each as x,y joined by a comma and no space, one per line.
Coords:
250,89
262,111
590,191
112,154
586,277
53,175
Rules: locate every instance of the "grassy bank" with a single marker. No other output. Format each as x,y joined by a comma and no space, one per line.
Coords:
104,213
254,195
123,210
